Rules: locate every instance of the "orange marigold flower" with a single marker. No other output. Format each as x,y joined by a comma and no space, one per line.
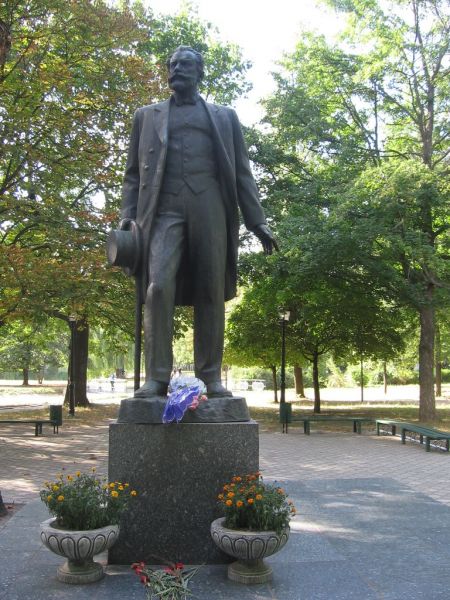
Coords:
250,500
258,497
114,494
60,498
239,503
225,487
220,496
133,493
229,502
280,490
230,494
238,478
69,477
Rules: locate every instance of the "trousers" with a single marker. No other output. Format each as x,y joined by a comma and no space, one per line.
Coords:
189,231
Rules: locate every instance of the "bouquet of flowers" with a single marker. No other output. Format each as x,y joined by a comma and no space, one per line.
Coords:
185,393
170,583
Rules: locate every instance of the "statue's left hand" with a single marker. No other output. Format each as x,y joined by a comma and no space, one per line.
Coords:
265,236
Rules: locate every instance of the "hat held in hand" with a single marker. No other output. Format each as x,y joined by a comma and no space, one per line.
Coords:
124,248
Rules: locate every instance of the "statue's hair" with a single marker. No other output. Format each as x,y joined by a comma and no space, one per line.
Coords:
198,59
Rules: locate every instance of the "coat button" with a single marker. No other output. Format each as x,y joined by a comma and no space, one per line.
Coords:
144,185
145,167
151,150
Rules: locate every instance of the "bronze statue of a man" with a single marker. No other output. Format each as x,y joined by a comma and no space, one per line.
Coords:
186,175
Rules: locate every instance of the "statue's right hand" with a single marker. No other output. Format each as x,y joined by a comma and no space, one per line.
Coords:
125,224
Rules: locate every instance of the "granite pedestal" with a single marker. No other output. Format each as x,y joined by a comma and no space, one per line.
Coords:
178,470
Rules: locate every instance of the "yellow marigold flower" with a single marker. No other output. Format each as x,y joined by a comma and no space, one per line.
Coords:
50,497
60,498
250,500
220,497
133,493
78,473
239,503
112,485
105,487
55,488
126,484
114,494
230,494
93,469
69,477
229,502
121,487
258,497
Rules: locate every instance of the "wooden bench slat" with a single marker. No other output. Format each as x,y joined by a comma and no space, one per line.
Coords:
36,422
428,433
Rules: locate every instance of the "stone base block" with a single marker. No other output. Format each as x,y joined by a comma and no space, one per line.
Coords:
178,470
215,410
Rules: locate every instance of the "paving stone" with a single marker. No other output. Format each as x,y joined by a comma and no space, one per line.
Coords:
374,520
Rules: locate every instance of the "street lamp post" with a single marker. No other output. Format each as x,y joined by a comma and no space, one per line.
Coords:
72,320
284,318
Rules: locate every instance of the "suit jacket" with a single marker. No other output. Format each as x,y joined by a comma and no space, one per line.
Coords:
144,173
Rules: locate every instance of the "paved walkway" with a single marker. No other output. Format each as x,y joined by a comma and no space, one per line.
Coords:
373,523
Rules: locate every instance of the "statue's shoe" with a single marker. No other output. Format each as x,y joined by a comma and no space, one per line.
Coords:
151,388
215,389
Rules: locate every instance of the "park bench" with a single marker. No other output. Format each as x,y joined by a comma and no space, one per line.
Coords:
286,417
36,422
55,420
428,433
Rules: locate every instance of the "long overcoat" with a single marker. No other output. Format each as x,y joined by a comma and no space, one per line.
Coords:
145,170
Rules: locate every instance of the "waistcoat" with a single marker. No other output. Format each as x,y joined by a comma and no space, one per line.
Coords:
190,157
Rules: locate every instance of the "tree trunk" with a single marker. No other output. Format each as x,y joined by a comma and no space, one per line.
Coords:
438,360
80,354
316,383
427,405
275,384
361,379
299,384
385,381
25,376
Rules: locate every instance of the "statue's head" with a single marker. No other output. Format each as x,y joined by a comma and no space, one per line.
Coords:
185,68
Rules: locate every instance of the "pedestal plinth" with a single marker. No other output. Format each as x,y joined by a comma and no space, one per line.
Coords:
178,470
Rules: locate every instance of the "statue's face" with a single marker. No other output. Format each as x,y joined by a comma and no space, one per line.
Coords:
183,72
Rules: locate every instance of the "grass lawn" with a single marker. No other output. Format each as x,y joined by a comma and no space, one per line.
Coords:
266,416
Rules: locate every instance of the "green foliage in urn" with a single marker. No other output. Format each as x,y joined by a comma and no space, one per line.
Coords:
249,503
85,501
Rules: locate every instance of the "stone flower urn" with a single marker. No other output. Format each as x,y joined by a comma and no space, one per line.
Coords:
79,547
250,548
